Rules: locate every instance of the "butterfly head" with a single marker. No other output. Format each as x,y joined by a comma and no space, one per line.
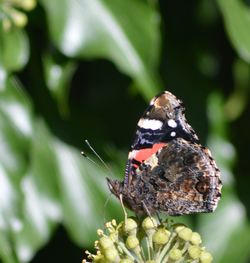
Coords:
115,187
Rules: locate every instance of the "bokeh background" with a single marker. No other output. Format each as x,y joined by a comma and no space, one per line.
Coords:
72,70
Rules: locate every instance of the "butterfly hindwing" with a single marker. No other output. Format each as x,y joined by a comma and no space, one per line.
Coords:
183,179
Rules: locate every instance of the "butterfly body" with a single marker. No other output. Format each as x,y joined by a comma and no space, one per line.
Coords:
167,168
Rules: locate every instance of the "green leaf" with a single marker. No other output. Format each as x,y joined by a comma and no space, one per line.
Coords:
29,196
3,77
41,195
6,249
15,133
221,229
228,223
14,49
58,77
15,127
43,182
238,100
38,220
83,190
237,22
126,32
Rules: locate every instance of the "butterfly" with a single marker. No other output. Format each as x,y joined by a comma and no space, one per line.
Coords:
168,170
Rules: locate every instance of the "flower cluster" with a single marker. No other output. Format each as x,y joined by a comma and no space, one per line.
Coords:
148,241
10,14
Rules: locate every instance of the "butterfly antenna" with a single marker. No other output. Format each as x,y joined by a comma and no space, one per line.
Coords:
105,165
89,159
98,156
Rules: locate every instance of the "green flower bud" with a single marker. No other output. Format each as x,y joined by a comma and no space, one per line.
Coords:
132,242
19,18
161,236
176,244
106,242
195,238
149,223
194,252
185,233
98,258
111,254
178,228
130,226
205,257
28,4
175,254
100,232
113,222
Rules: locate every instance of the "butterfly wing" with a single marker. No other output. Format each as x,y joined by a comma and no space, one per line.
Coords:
183,178
163,121
167,169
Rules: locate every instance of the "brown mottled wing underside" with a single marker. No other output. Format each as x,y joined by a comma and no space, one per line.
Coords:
181,178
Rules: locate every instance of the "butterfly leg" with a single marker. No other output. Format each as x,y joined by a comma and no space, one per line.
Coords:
146,209
123,207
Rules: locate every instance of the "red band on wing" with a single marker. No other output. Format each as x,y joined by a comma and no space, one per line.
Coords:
144,154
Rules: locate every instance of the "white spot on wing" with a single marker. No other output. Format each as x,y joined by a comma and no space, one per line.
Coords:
152,161
172,123
132,154
150,124
172,134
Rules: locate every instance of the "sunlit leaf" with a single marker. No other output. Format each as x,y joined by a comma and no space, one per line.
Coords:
237,21
14,48
3,77
27,201
229,222
221,228
6,249
109,29
36,225
16,127
15,134
58,77
83,193
43,182
238,101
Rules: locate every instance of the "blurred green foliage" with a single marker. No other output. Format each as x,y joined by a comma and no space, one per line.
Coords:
77,69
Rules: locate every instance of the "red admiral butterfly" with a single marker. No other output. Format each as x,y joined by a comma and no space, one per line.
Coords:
168,169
